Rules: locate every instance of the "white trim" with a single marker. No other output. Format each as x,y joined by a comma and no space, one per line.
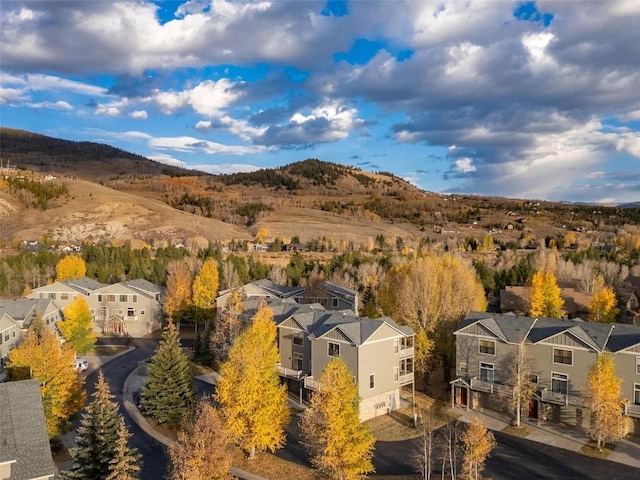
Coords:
636,388
638,365
374,381
329,342
487,339
587,347
396,374
493,369
560,379
553,356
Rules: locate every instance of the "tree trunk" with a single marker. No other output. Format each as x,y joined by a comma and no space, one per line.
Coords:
252,452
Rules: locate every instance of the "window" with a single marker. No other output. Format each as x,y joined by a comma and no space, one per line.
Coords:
463,368
13,333
6,336
111,298
372,381
131,312
123,298
487,347
134,298
559,383
141,312
396,345
396,373
41,295
406,366
297,361
99,298
298,338
407,342
636,393
638,365
486,372
333,349
64,296
52,296
562,356
533,378
335,302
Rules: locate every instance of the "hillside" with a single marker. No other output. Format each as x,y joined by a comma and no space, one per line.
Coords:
104,192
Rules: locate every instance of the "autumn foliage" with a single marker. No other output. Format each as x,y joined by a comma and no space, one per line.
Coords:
545,299
477,443
41,356
70,267
603,307
77,324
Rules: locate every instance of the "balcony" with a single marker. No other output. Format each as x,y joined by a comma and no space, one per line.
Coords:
405,377
312,384
290,373
406,352
632,410
490,387
562,398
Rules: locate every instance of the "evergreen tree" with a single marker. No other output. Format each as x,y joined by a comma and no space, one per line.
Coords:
125,464
253,402
169,391
101,441
341,447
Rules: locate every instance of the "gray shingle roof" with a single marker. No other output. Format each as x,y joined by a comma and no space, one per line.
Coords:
599,336
23,432
145,285
24,310
276,290
85,284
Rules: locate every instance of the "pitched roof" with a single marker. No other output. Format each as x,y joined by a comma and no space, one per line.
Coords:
142,284
24,310
23,431
280,291
341,291
85,284
611,337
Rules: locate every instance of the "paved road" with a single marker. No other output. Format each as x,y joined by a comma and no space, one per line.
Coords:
513,458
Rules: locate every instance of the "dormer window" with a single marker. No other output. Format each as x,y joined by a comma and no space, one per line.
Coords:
333,349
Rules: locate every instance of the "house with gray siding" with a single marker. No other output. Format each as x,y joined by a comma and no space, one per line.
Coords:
378,351
25,453
558,356
132,307
16,316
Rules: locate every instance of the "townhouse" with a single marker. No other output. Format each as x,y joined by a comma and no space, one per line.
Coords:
558,355
16,316
132,307
378,352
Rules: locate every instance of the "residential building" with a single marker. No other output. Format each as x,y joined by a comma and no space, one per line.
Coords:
516,299
629,294
132,307
25,453
558,356
378,351
329,295
16,316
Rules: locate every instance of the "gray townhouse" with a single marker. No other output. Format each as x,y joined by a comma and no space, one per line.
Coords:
327,294
16,316
558,356
25,453
378,351
132,307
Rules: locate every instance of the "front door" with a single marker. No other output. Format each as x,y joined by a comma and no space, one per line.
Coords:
533,408
461,396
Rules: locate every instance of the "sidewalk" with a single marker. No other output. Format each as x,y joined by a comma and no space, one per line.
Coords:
568,438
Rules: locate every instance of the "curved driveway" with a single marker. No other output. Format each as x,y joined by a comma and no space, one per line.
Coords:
513,458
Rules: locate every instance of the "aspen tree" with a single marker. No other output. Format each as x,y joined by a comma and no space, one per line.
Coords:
603,307
477,443
76,327
70,267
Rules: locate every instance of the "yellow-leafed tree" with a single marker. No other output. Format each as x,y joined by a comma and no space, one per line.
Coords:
341,447
432,294
477,443
41,356
544,296
603,393
603,307
205,288
262,235
76,326
70,267
179,282
253,402
200,452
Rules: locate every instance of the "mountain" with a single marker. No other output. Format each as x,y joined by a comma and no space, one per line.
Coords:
84,189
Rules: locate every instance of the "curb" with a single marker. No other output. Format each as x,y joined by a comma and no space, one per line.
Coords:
136,416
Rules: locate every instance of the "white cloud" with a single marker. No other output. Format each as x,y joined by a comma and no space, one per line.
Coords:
225,168
59,105
203,125
139,115
207,98
464,165
40,82
629,142
190,144
168,160
13,96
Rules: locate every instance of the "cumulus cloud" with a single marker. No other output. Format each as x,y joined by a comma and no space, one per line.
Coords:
59,105
208,98
139,115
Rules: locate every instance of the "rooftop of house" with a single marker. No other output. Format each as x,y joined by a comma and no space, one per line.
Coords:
516,299
511,328
144,285
23,310
23,432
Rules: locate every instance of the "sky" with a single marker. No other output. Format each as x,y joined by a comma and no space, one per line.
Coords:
517,99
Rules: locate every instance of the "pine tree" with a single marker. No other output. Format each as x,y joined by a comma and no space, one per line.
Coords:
200,452
41,356
125,464
253,402
101,440
77,324
341,447
169,391
70,267
603,392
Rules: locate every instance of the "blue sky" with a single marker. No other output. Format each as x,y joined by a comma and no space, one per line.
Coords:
517,99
